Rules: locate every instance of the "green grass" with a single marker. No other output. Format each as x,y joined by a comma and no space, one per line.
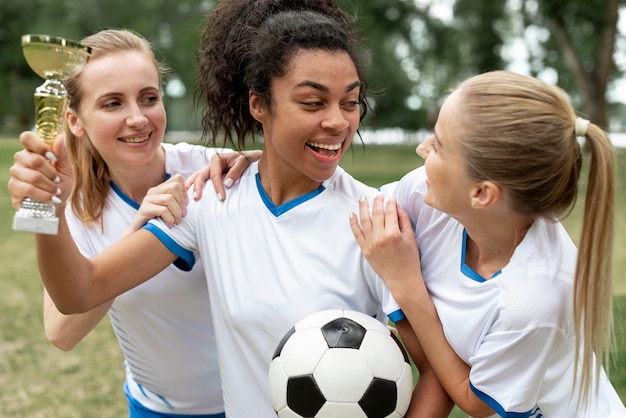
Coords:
38,381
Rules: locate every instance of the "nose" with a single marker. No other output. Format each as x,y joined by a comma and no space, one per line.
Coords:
423,147
335,120
136,118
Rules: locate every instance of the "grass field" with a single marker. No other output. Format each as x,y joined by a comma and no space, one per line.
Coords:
38,381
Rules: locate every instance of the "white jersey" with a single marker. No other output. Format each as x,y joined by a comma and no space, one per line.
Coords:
268,267
164,325
515,330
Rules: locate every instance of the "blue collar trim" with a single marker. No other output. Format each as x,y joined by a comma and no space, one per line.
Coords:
279,210
467,270
125,198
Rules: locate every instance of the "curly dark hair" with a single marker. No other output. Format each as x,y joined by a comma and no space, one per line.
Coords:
246,44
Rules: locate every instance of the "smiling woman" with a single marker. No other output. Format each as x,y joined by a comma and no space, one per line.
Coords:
116,124
315,114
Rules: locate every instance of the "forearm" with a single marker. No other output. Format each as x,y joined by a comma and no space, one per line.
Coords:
66,273
66,331
452,372
429,397
77,284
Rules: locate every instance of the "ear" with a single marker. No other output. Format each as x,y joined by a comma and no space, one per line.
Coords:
74,123
485,194
257,108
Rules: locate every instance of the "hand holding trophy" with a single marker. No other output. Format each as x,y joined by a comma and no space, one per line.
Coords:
52,58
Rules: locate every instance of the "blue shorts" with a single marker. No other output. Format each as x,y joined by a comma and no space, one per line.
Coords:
137,410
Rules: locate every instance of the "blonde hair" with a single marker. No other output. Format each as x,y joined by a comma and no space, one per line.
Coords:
521,133
90,172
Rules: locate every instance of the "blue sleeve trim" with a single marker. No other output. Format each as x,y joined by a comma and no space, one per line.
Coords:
396,316
185,260
533,413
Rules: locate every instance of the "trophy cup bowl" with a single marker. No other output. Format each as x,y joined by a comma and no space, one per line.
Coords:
52,58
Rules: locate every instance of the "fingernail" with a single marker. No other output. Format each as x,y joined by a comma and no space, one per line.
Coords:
195,194
56,200
219,196
228,182
362,199
49,155
57,180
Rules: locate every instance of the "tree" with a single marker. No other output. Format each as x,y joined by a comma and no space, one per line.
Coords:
173,28
385,26
575,38
17,80
416,55
581,47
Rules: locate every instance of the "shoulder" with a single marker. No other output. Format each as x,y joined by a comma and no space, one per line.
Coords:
412,183
241,189
184,149
409,192
186,158
537,286
342,183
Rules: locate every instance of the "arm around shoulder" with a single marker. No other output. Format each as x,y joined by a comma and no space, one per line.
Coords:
77,284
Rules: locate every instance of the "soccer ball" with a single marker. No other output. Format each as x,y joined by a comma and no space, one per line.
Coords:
338,364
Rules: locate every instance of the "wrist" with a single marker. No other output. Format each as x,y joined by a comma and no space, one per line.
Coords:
410,290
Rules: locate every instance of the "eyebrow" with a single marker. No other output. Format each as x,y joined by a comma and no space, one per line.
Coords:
110,94
325,89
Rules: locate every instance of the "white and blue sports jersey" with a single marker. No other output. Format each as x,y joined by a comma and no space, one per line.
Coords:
270,266
515,330
164,325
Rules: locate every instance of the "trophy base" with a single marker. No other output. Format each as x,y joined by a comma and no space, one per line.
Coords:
36,217
48,226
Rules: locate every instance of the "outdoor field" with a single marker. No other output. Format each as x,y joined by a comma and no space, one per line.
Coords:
37,380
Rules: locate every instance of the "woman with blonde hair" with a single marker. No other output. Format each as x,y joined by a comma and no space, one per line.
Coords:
121,178
509,313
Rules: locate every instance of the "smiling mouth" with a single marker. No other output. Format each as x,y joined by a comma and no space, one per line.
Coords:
135,139
328,150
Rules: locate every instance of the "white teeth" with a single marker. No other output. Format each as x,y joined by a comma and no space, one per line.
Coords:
136,139
331,147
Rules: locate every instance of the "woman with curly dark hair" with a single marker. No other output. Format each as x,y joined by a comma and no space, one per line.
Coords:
280,247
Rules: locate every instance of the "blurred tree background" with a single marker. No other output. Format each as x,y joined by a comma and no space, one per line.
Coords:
419,50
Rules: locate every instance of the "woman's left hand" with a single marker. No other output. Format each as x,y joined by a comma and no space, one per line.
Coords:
232,163
387,241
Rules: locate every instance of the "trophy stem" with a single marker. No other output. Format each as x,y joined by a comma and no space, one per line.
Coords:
50,106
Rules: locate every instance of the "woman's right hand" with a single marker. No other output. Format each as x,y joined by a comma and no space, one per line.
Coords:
167,201
39,172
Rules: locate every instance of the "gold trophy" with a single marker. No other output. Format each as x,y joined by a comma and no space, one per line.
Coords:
53,59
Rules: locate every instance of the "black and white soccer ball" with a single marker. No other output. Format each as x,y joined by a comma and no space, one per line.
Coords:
339,364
